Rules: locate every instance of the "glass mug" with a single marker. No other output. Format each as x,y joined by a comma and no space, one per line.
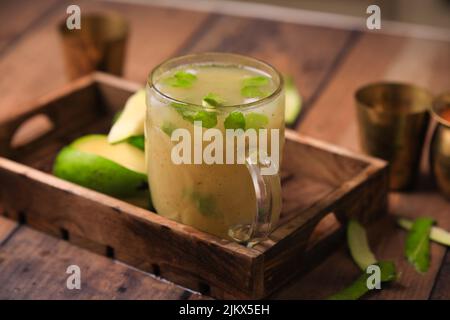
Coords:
233,201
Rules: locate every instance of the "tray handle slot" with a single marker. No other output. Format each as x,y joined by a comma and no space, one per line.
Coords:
22,217
328,226
24,131
204,288
65,235
35,127
156,269
110,252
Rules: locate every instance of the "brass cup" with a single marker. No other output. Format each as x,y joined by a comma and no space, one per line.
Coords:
98,45
393,120
440,144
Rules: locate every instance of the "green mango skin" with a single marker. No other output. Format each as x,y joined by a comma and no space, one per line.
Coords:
293,101
98,173
137,141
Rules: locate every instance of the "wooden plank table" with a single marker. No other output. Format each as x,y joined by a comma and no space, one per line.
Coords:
328,65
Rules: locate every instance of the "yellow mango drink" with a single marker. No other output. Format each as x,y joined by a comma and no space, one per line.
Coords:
193,103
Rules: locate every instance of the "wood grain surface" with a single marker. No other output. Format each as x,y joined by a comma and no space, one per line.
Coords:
34,266
328,65
321,178
395,62
156,33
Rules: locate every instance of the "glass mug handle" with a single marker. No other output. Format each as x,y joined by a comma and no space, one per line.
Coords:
268,204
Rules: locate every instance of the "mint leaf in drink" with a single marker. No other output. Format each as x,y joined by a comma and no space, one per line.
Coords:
358,245
208,118
168,127
181,79
253,92
137,141
359,287
256,121
213,100
437,234
235,120
252,87
257,81
205,204
417,247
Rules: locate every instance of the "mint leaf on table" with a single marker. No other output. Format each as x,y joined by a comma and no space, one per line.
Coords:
359,287
256,81
181,79
437,234
417,247
137,141
353,292
213,100
359,246
208,118
256,121
364,257
253,92
235,120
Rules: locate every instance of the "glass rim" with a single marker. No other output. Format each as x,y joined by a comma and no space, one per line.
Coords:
244,106
394,85
99,17
444,98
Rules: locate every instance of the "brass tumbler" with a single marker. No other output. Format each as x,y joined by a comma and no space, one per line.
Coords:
440,144
393,120
98,45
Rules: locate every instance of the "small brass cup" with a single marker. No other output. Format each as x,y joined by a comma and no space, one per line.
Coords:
440,144
98,45
393,119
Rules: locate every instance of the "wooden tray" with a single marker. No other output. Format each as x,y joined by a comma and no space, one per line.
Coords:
322,186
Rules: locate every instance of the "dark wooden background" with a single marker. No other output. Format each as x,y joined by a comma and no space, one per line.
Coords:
328,66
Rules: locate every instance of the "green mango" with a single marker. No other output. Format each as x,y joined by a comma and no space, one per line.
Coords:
130,121
137,141
359,246
293,101
117,170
